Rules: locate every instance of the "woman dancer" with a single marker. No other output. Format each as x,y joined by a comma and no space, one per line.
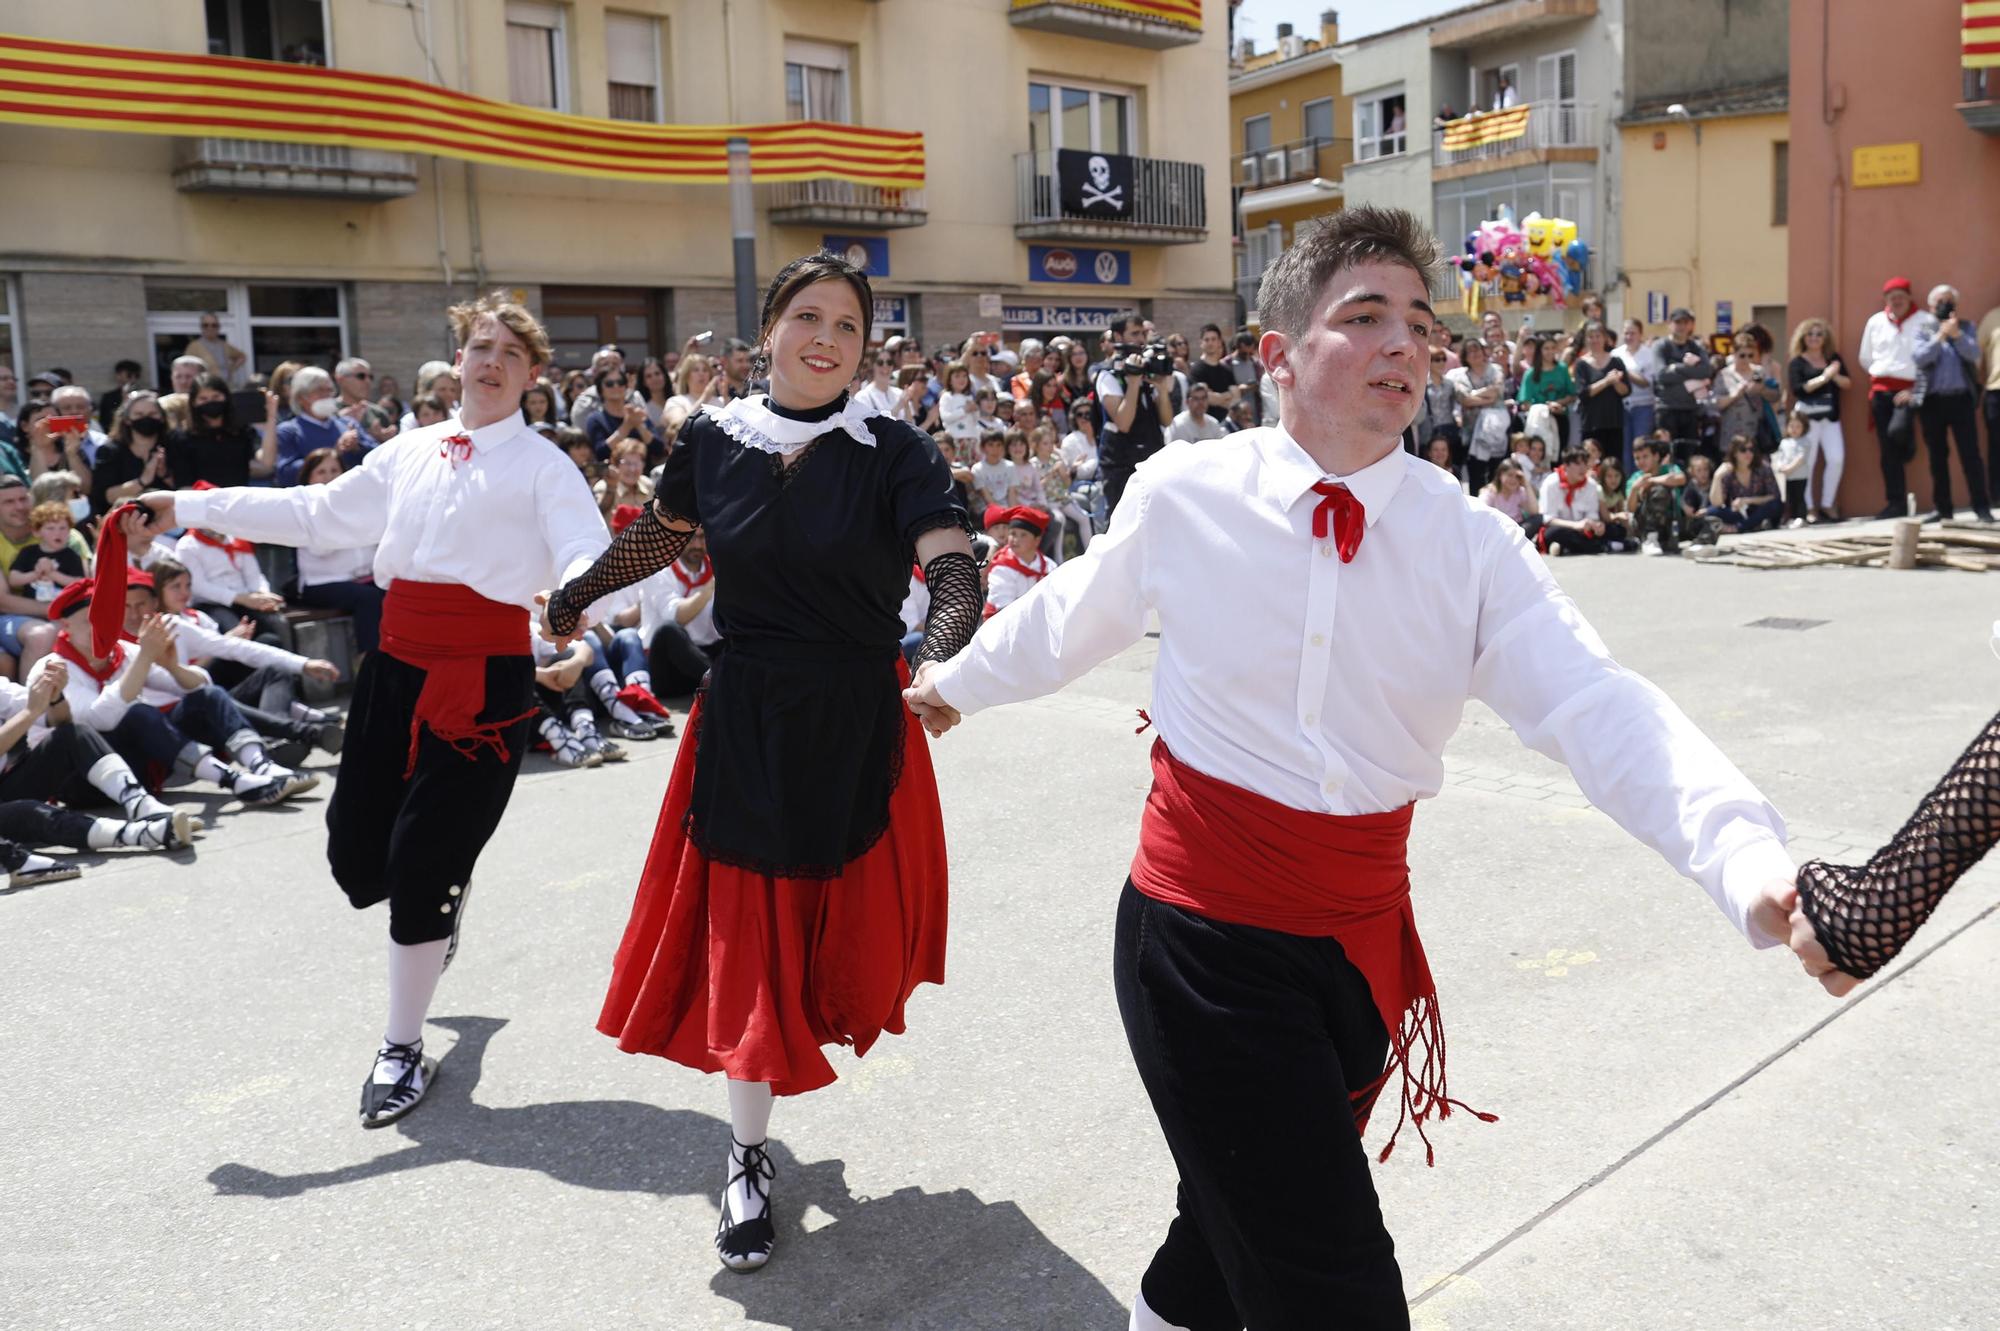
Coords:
795,892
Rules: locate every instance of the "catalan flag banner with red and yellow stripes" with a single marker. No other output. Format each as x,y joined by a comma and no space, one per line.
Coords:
1180,13
77,85
1484,127
1979,44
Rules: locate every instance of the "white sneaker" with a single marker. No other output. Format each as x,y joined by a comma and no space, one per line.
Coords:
1555,550
1651,545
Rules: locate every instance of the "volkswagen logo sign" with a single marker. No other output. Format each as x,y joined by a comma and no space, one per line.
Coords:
1106,266
857,254
1059,265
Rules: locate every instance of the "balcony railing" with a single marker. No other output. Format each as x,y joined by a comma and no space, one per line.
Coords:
844,203
1169,204
1547,125
241,166
1979,100
1171,22
1305,159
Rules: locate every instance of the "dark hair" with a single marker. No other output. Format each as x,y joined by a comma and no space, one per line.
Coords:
166,568
801,273
1535,345
206,383
311,462
597,382
993,437
1292,285
568,437
653,363
1738,442
1211,328
1118,325
1570,455
549,395
1246,338
1650,444
428,402
131,367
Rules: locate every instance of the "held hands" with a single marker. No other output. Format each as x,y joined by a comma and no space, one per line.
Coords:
561,640
927,704
1778,915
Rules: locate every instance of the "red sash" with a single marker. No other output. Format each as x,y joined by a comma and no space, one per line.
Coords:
1235,856
448,630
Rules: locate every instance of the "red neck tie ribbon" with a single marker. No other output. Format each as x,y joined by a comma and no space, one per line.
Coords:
1350,519
457,447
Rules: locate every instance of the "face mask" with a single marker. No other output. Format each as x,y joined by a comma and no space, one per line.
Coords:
146,427
212,411
79,509
324,409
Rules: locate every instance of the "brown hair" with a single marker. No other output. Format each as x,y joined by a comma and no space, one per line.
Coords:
165,569
501,308
121,424
49,512
311,462
801,273
1292,285
1806,325
429,402
628,448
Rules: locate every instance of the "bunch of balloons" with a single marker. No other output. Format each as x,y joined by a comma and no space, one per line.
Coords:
1537,263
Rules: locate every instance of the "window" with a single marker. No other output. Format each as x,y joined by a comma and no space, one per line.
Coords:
1379,126
1071,115
1256,135
1781,176
1555,88
272,322
632,65
10,344
290,30
537,59
816,82
1318,120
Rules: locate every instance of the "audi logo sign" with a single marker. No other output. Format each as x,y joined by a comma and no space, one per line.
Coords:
1059,264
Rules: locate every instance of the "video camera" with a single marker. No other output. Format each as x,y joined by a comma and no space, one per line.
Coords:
1152,360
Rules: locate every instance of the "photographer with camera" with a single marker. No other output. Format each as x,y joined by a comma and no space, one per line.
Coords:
1138,395
1949,359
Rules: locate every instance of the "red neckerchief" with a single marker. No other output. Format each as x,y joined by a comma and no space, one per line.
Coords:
706,576
1570,491
1905,319
1007,559
917,572
232,547
1350,518
68,651
457,447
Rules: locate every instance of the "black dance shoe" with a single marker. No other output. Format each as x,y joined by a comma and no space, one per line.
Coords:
382,1103
746,1245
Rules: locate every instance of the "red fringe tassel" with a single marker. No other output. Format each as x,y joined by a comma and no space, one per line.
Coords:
1423,1090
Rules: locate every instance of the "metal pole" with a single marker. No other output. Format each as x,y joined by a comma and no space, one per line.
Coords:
743,227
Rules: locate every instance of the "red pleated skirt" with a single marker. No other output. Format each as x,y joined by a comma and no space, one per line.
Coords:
728,970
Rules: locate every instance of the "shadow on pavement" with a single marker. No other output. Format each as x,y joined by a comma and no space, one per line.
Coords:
910,1260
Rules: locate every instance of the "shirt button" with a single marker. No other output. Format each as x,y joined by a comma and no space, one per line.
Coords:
445,908
1312,718
1331,787
1325,550
1319,640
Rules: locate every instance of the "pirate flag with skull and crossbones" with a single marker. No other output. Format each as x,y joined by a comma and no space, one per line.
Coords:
1095,184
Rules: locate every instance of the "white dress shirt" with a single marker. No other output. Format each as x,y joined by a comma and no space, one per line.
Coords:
1889,350
13,701
701,629
217,576
1006,585
514,519
354,564
102,706
1079,450
1334,687
879,401
916,610
1587,506
1188,430
199,639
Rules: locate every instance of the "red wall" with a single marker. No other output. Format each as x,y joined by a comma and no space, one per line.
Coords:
1884,74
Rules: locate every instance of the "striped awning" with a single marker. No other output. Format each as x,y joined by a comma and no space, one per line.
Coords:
1483,127
1180,13
1979,42
77,85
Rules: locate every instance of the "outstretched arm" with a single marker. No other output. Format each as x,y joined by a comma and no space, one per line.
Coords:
654,540
1866,914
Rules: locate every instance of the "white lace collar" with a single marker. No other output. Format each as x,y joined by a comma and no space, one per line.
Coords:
751,423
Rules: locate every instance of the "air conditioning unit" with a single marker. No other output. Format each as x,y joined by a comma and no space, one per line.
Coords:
1274,166
1304,158
1250,171
1290,48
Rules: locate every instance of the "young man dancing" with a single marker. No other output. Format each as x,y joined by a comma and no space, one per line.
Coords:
1268,966
469,517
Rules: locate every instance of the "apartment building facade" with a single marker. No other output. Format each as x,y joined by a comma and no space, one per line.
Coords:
311,252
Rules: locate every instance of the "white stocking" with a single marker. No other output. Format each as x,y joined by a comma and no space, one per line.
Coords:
414,969
750,1124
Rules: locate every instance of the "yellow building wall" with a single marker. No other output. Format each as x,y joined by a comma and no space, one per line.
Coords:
1284,102
122,211
1698,218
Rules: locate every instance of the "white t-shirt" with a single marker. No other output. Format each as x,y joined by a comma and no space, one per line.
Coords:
997,481
1190,429
1645,362
880,401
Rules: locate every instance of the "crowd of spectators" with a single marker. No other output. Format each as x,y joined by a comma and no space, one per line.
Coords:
1594,440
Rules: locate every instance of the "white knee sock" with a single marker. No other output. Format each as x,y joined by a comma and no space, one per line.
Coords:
247,748
113,775
642,677
605,685
750,1124
34,863
1145,1319
584,726
149,833
414,969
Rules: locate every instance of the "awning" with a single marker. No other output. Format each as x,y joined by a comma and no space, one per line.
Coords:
1317,190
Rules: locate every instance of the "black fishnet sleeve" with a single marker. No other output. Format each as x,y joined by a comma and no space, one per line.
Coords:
638,552
1865,914
956,603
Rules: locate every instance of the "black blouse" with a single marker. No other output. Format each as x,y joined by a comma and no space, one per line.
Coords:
220,457
1823,405
1601,411
800,740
